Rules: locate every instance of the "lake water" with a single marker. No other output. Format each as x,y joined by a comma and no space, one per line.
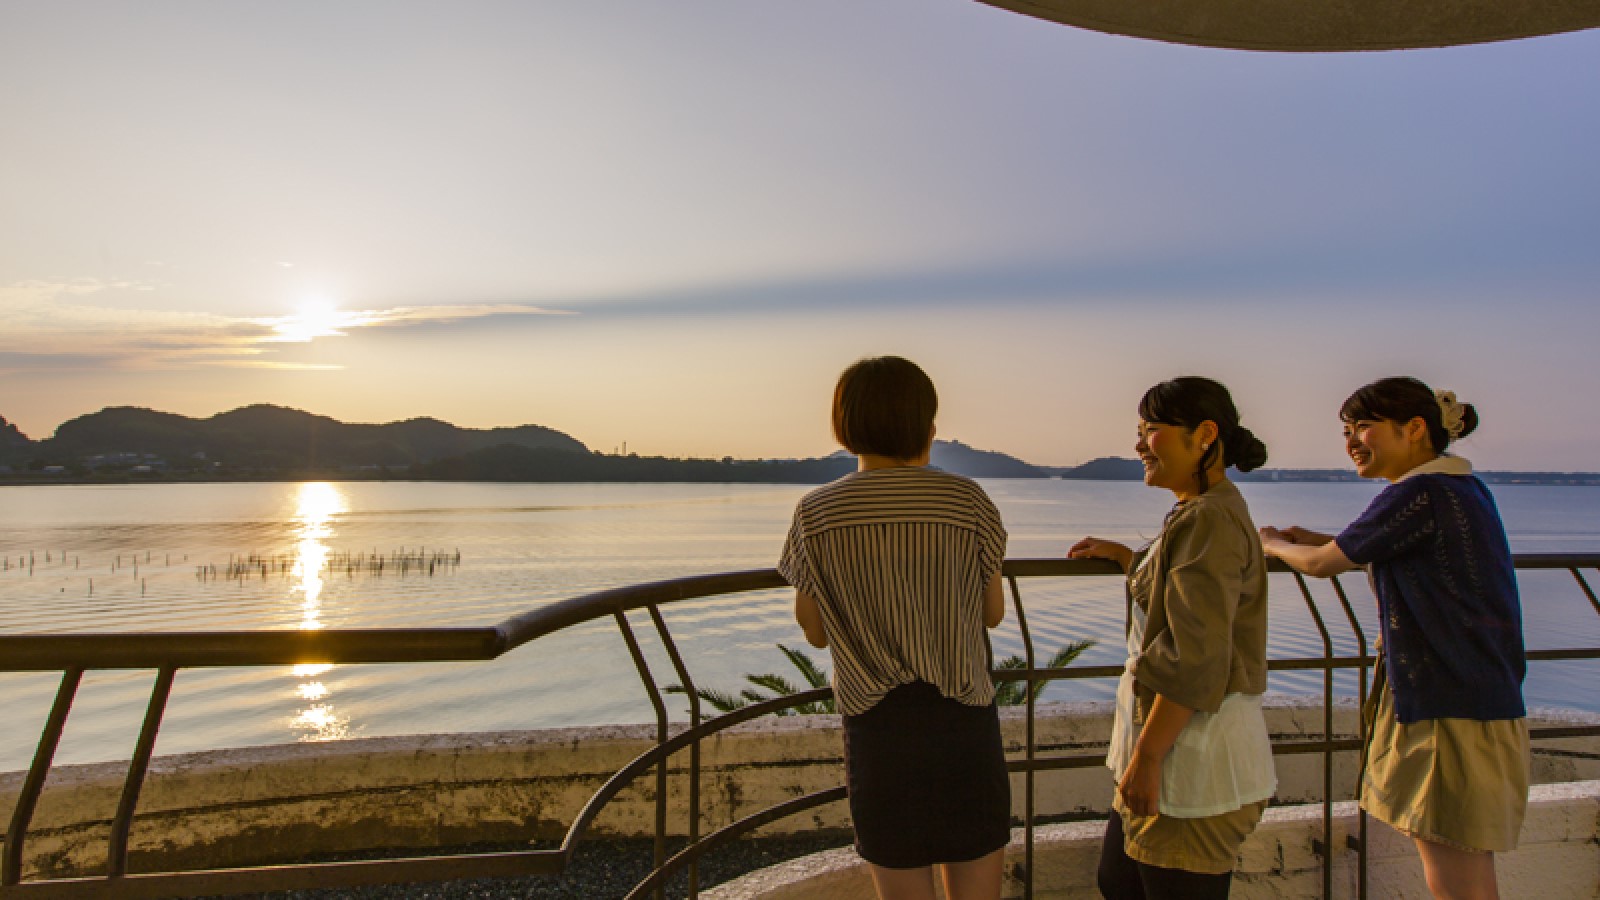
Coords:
524,545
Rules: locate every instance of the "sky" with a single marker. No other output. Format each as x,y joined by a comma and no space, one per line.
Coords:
670,225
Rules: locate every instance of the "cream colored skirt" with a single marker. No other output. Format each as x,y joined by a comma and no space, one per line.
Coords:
1209,845
1461,782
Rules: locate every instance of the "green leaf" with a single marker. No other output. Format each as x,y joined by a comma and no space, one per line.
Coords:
809,670
774,683
1061,660
718,700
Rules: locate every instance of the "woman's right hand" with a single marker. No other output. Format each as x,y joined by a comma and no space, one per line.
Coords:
1099,548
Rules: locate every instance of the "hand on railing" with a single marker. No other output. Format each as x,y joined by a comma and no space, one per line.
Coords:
1099,548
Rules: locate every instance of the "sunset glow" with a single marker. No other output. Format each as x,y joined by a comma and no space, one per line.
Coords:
315,318
678,237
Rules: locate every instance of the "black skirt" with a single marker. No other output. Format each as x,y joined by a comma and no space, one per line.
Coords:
927,779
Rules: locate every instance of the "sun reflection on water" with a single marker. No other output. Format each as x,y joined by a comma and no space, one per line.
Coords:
316,507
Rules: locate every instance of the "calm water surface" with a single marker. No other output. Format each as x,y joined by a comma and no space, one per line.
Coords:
524,545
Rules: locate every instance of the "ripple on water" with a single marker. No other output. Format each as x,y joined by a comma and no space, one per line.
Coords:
524,546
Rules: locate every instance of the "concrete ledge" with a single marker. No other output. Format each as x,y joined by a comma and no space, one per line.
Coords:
1556,860
271,804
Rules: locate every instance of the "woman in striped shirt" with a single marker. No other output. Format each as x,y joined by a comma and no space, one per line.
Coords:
896,567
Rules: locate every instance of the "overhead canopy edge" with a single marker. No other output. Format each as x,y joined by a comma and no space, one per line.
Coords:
1317,26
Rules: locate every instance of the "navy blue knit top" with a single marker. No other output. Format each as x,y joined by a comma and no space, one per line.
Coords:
1447,595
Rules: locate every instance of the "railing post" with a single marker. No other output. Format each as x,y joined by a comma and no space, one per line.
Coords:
1361,734
1028,749
661,738
28,800
122,825
694,748
1587,591
1327,737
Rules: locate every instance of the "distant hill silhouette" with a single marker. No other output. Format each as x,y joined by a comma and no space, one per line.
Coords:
509,463
277,437
14,445
1105,468
266,442
954,456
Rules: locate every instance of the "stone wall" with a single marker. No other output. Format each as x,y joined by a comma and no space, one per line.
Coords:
272,804
1555,861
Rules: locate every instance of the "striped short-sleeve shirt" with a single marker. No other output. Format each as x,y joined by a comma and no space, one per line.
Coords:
897,560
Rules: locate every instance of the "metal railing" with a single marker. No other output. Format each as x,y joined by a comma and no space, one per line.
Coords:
166,653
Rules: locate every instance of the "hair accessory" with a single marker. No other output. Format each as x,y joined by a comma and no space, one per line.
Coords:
1450,412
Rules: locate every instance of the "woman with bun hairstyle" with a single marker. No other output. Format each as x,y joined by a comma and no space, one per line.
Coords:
896,566
1189,746
1447,754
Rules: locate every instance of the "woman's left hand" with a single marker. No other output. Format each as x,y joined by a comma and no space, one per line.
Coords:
1140,788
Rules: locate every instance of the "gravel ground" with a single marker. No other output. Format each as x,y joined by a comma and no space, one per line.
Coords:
600,870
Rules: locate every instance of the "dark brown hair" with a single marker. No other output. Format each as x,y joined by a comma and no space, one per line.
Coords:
1401,398
1189,400
884,406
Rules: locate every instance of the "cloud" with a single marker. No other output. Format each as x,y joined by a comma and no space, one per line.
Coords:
52,325
1474,262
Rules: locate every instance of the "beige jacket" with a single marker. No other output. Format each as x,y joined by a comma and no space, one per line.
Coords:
1205,603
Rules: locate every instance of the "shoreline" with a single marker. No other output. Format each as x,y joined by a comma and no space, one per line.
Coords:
1269,476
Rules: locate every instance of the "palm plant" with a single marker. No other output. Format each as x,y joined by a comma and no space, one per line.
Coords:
777,684
1015,693
1006,693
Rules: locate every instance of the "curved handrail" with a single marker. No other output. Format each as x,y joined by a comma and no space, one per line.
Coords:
167,652
202,649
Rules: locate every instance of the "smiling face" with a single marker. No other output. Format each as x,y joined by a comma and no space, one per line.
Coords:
1383,449
1171,456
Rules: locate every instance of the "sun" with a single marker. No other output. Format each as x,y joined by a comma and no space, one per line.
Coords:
316,317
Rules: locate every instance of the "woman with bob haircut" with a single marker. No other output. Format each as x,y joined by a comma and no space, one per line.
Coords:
1189,745
896,567
1447,756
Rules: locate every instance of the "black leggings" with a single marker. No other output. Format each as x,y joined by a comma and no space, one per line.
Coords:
1124,878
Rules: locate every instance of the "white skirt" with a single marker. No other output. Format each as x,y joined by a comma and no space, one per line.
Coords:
1221,761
